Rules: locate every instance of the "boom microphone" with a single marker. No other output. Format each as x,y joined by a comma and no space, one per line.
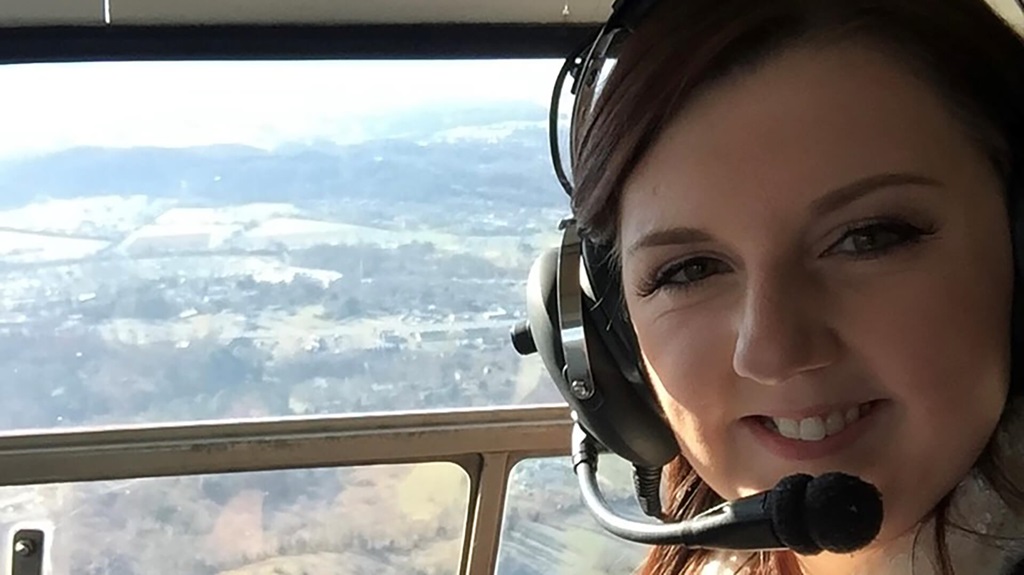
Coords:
833,512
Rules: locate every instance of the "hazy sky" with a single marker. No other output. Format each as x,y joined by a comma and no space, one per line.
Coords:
53,106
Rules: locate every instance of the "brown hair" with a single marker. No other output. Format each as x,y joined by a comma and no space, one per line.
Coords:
961,47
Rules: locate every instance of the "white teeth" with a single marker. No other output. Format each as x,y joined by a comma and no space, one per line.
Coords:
852,414
835,423
814,428
787,427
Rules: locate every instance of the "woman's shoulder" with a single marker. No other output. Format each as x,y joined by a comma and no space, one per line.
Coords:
986,532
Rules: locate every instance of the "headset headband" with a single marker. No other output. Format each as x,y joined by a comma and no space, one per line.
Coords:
583,65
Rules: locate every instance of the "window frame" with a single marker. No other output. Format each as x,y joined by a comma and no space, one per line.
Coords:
36,44
485,442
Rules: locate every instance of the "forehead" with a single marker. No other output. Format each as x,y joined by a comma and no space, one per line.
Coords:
763,145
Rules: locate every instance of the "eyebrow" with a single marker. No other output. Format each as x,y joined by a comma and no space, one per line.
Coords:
830,202
846,195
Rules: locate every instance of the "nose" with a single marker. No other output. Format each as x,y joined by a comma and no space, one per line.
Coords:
783,329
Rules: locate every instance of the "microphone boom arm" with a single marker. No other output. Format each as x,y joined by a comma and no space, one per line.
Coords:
834,512
740,526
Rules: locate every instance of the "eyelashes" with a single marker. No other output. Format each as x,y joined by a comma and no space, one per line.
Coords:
864,240
682,275
877,238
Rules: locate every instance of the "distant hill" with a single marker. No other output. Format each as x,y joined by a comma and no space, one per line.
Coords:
492,154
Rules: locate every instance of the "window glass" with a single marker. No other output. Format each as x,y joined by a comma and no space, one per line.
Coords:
203,240
548,531
393,519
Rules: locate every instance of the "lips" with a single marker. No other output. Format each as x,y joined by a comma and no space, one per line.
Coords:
807,435
816,427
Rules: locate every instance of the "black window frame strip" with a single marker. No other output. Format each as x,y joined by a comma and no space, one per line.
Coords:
288,42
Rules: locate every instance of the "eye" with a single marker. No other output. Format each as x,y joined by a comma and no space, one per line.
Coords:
683,274
877,238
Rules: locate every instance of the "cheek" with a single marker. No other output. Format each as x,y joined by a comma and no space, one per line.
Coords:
938,337
688,361
948,323
939,347
927,355
688,356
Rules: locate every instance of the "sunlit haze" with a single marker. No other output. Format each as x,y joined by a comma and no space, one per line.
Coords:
54,106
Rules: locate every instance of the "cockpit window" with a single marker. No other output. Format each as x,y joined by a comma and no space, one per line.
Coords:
203,240
291,521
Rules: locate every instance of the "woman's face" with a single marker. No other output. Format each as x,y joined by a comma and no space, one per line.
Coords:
817,264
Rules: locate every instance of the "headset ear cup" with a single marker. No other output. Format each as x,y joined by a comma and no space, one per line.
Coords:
612,411
542,314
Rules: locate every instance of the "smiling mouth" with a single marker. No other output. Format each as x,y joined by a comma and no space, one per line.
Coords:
817,427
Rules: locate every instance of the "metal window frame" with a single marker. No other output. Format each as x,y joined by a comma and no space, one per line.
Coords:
485,442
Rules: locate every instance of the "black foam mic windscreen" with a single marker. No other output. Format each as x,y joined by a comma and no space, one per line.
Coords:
832,512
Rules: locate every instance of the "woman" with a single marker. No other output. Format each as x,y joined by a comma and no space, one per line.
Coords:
810,206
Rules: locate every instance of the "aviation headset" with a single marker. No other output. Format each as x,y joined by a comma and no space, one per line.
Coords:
576,317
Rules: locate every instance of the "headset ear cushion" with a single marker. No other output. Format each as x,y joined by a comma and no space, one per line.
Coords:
612,319
630,422
620,418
